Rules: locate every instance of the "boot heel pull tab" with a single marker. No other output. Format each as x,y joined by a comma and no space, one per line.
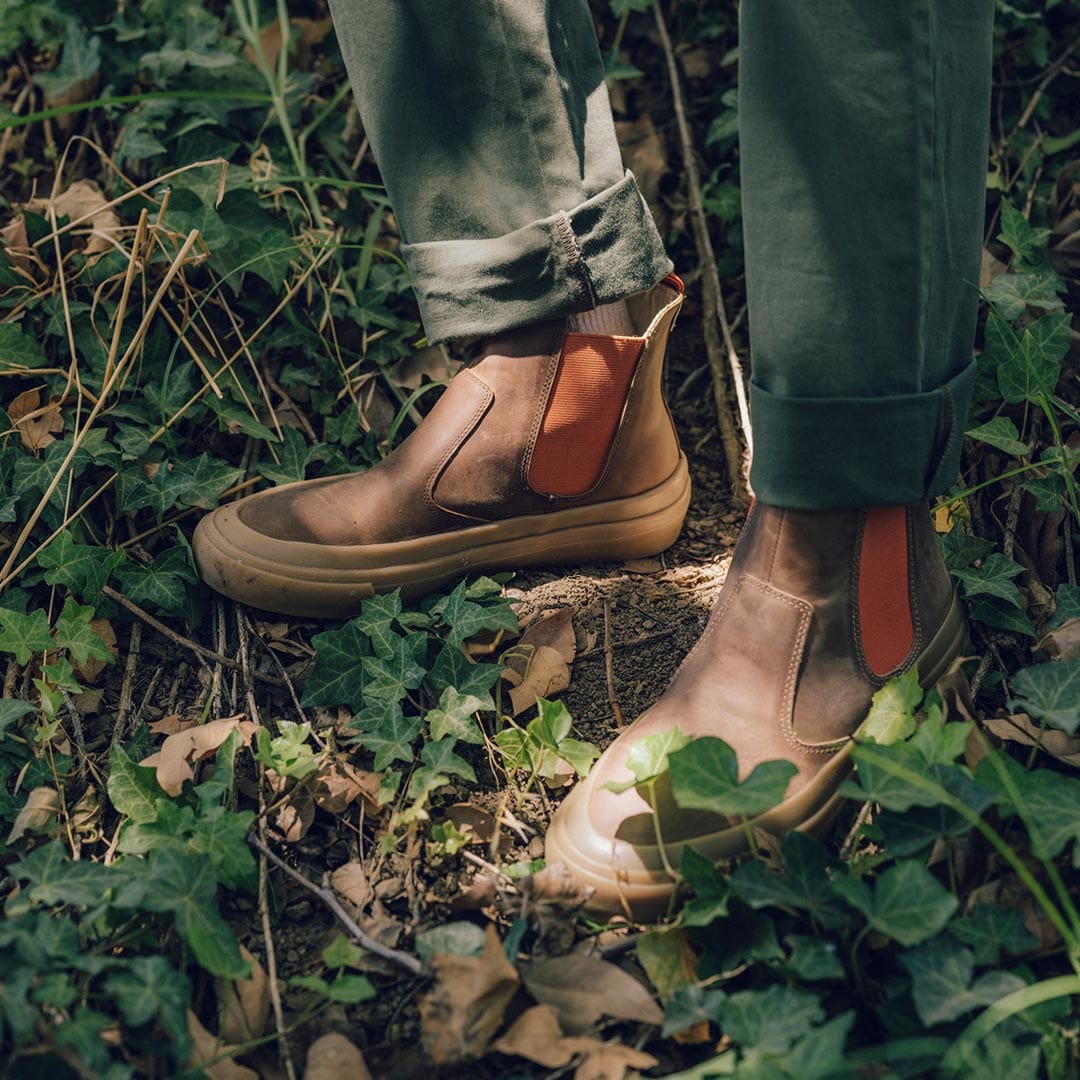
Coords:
676,283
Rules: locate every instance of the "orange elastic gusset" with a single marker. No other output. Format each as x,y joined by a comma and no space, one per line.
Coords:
885,621
583,412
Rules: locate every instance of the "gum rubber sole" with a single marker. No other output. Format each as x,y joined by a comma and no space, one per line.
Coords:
631,880
330,581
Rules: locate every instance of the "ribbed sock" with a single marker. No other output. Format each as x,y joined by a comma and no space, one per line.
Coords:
611,318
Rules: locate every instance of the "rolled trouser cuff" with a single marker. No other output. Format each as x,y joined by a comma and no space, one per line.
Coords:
824,453
601,250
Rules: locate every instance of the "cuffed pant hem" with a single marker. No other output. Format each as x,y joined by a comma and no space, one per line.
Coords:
833,453
602,250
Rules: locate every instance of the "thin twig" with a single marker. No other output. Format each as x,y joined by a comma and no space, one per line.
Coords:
712,294
365,941
134,645
609,672
271,956
179,639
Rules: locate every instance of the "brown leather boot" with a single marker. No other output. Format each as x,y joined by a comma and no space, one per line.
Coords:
554,447
819,610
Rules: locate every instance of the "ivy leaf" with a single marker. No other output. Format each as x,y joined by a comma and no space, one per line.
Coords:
907,902
648,757
1000,433
453,668
11,709
24,635
941,744
1047,802
1066,604
1034,368
988,929
999,613
394,676
294,456
1046,490
941,985
1017,233
770,1020
814,959
689,1006
1012,293
165,584
892,709
338,675
993,578
455,716
206,479
83,568
385,731
148,987
819,1054
1050,692
552,725
377,614
259,243
467,619
56,879
80,59
801,883
960,549
704,776
74,633
133,789
221,835
19,350
711,890
186,887
439,757
290,753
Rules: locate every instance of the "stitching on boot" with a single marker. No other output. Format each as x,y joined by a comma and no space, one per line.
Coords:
466,430
538,419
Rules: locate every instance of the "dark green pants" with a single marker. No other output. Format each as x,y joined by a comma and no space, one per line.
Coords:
863,131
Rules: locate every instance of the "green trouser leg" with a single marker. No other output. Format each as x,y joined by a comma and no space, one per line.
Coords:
491,126
863,134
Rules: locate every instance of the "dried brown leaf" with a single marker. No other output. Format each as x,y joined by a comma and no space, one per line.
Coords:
172,762
585,988
35,422
536,1035
170,725
244,1003
410,371
467,816
350,882
461,1014
1020,728
555,630
611,1061
206,1047
41,806
334,1057
335,785
1064,641
92,669
294,817
546,674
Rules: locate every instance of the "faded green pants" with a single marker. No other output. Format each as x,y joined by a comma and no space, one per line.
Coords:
863,132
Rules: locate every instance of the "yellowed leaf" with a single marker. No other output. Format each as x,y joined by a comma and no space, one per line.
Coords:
461,1013
334,1057
585,988
244,1003
41,806
206,1047
172,762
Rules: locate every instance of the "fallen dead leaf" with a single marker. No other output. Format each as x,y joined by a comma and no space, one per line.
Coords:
206,1047
610,1061
335,785
1063,642
350,882
552,898
585,988
92,669
642,566
244,1003
461,1014
410,371
170,725
35,422
83,201
296,815
86,815
334,1057
536,1035
41,806
172,762
533,673
1020,728
466,816
16,243
556,630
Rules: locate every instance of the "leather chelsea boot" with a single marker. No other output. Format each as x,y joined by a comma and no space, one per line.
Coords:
553,447
819,610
